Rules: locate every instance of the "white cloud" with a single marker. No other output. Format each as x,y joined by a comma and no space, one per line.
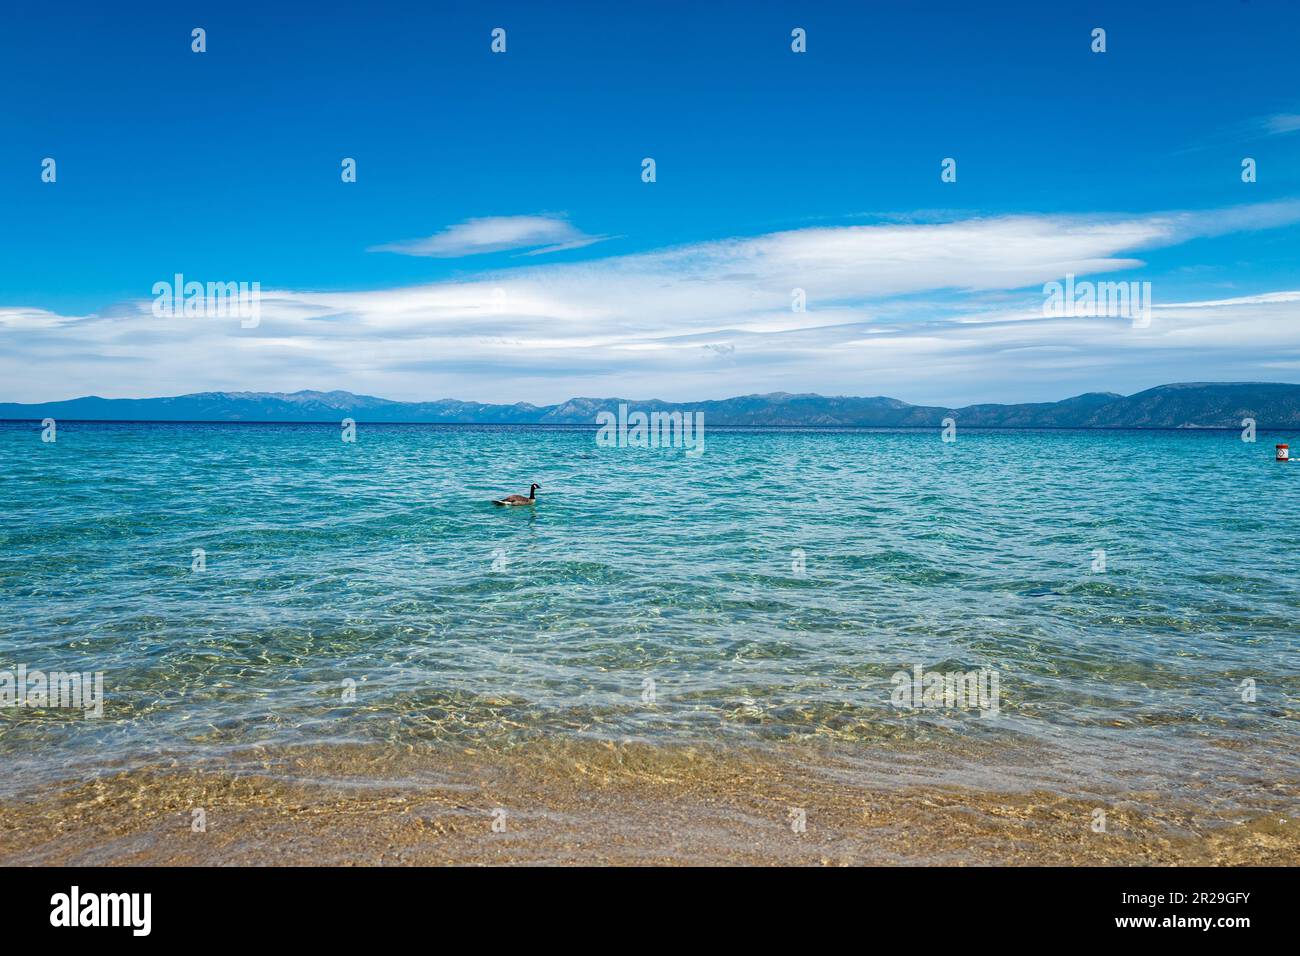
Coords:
1265,299
538,234
945,313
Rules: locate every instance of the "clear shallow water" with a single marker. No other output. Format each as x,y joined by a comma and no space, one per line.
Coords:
374,562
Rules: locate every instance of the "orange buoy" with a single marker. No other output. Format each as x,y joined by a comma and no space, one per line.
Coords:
1283,453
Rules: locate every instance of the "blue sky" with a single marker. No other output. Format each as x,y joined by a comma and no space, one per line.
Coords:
225,166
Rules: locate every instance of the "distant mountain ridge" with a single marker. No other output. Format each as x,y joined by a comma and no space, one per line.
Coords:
1185,405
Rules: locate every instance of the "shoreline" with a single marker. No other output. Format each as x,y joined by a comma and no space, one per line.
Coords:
588,803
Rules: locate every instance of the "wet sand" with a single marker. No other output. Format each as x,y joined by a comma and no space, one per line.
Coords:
594,803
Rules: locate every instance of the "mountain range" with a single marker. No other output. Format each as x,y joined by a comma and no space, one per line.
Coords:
1185,405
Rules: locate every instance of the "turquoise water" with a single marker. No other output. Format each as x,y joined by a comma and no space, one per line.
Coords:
384,564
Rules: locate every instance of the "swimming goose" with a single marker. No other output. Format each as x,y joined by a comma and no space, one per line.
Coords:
519,499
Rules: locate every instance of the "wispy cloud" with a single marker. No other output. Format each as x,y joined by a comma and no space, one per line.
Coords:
937,312
537,234
1246,131
1281,123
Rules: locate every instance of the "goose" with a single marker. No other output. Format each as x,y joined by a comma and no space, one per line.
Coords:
519,499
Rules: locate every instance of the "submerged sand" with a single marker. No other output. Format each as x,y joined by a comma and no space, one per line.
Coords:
605,803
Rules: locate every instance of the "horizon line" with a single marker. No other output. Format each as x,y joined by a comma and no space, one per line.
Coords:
592,426
575,398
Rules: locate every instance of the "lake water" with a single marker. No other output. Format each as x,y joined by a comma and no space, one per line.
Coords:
1134,592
